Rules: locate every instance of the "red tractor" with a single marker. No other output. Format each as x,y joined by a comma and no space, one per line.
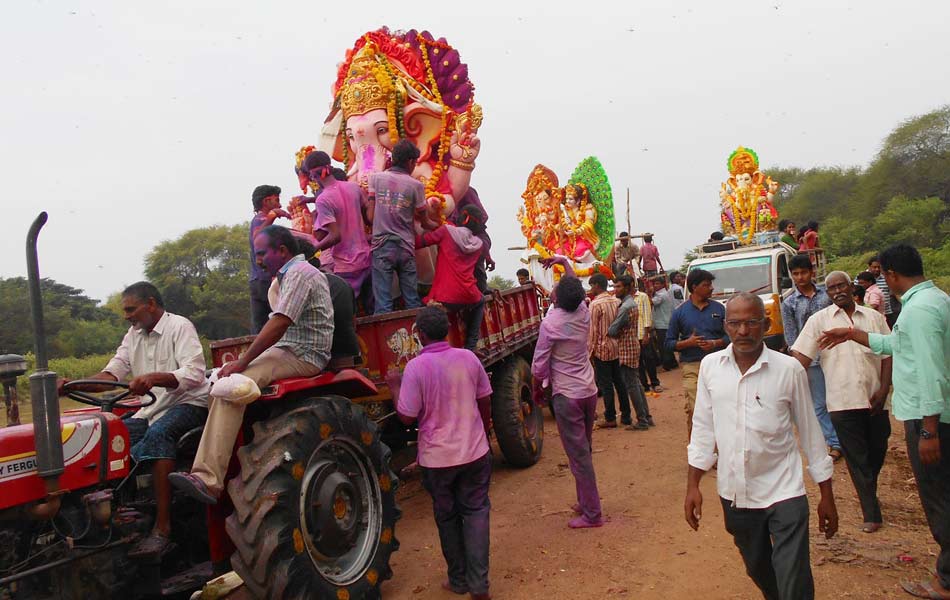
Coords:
310,508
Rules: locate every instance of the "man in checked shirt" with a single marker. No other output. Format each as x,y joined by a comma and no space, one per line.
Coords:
747,399
295,342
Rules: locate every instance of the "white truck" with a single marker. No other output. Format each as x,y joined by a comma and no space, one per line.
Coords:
760,269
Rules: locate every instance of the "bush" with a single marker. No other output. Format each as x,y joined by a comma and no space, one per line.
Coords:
72,368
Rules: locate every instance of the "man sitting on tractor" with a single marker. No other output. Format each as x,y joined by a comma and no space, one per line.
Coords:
162,353
295,342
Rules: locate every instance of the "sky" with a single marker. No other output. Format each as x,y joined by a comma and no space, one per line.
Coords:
133,122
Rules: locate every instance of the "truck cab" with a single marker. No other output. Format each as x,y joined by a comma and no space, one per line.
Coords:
760,269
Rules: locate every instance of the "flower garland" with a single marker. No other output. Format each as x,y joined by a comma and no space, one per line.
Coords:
742,214
444,139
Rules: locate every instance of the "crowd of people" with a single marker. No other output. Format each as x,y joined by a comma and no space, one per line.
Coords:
368,234
748,408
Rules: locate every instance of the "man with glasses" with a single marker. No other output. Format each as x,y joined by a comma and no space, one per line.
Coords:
858,382
747,400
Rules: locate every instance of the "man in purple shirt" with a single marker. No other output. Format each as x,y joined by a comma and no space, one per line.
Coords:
339,227
562,363
447,391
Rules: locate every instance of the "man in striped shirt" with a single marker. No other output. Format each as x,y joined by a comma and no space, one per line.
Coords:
624,328
605,352
295,342
890,315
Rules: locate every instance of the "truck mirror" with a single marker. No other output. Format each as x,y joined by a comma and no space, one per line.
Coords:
785,283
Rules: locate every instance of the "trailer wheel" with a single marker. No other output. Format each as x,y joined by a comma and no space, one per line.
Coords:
518,422
314,505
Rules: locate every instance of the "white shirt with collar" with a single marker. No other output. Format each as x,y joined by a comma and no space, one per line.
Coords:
171,347
852,372
750,417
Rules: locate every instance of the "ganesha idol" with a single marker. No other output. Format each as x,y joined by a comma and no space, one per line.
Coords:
576,221
747,198
395,85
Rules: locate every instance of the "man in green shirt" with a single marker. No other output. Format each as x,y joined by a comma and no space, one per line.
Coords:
920,346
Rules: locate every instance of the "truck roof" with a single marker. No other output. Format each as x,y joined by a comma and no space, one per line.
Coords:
747,251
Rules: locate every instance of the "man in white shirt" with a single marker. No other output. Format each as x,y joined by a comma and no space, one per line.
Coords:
857,381
162,354
747,399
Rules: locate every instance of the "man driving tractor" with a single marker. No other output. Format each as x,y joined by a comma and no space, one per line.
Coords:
162,353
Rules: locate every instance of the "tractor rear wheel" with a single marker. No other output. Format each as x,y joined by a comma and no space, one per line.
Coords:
314,505
518,422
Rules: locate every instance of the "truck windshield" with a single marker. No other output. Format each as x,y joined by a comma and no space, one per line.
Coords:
740,275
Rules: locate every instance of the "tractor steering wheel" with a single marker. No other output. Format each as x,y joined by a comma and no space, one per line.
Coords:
106,403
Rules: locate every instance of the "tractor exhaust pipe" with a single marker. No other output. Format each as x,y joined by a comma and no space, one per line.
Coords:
43,395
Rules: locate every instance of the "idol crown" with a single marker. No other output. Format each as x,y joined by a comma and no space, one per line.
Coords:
368,86
743,160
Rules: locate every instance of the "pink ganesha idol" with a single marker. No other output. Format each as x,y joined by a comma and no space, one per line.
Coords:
395,85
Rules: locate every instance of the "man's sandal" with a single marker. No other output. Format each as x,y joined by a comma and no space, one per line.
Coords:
923,589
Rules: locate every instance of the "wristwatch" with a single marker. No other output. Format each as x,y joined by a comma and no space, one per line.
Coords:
926,434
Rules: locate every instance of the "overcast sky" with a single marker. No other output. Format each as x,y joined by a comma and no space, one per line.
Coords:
133,122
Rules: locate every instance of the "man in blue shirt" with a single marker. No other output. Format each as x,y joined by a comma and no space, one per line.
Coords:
805,300
266,201
695,330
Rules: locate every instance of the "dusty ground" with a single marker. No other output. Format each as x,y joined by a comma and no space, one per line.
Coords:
647,550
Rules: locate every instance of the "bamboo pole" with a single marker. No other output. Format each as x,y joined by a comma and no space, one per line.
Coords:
628,211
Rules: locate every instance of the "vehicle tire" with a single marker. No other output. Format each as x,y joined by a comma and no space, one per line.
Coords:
517,421
314,505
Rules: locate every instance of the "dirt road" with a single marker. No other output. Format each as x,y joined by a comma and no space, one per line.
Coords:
646,550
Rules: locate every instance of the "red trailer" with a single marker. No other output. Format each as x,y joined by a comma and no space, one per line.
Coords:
348,427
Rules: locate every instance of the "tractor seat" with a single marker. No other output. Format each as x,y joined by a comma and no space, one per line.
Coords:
345,382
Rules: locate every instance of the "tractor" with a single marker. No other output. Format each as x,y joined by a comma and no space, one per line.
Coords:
309,510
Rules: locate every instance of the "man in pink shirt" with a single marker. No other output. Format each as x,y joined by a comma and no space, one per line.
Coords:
650,262
447,391
562,363
339,227
454,284
873,296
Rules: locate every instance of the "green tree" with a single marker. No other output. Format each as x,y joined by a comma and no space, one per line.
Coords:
815,195
903,196
68,315
500,283
203,276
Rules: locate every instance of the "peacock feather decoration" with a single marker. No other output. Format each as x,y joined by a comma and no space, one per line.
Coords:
591,173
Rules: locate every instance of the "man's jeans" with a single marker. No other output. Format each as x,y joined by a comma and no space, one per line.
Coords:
864,442
393,257
773,543
461,506
575,424
648,360
816,383
260,307
933,485
608,376
631,377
